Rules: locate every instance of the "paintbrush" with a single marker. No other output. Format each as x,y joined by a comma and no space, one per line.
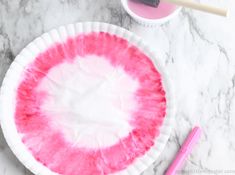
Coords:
190,4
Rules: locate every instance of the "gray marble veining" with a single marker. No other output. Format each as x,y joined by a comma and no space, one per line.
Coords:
197,50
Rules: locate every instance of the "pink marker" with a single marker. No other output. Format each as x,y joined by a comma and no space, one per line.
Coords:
184,151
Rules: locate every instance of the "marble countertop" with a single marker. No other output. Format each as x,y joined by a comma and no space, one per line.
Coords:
197,50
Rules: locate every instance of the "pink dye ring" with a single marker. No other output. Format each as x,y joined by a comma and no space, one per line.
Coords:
49,146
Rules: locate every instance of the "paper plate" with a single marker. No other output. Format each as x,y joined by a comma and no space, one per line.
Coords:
86,98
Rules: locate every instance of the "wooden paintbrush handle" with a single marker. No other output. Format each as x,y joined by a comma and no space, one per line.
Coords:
198,6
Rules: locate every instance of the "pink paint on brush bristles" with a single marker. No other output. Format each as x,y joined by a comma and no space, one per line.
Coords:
48,144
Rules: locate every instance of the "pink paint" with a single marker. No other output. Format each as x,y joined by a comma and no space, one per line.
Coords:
164,9
49,146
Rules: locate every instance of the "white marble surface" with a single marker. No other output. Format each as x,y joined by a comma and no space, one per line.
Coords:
198,51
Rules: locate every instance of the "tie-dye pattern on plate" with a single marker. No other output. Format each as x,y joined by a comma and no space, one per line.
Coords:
88,102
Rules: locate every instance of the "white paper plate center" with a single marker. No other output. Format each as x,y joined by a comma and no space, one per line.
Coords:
89,101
